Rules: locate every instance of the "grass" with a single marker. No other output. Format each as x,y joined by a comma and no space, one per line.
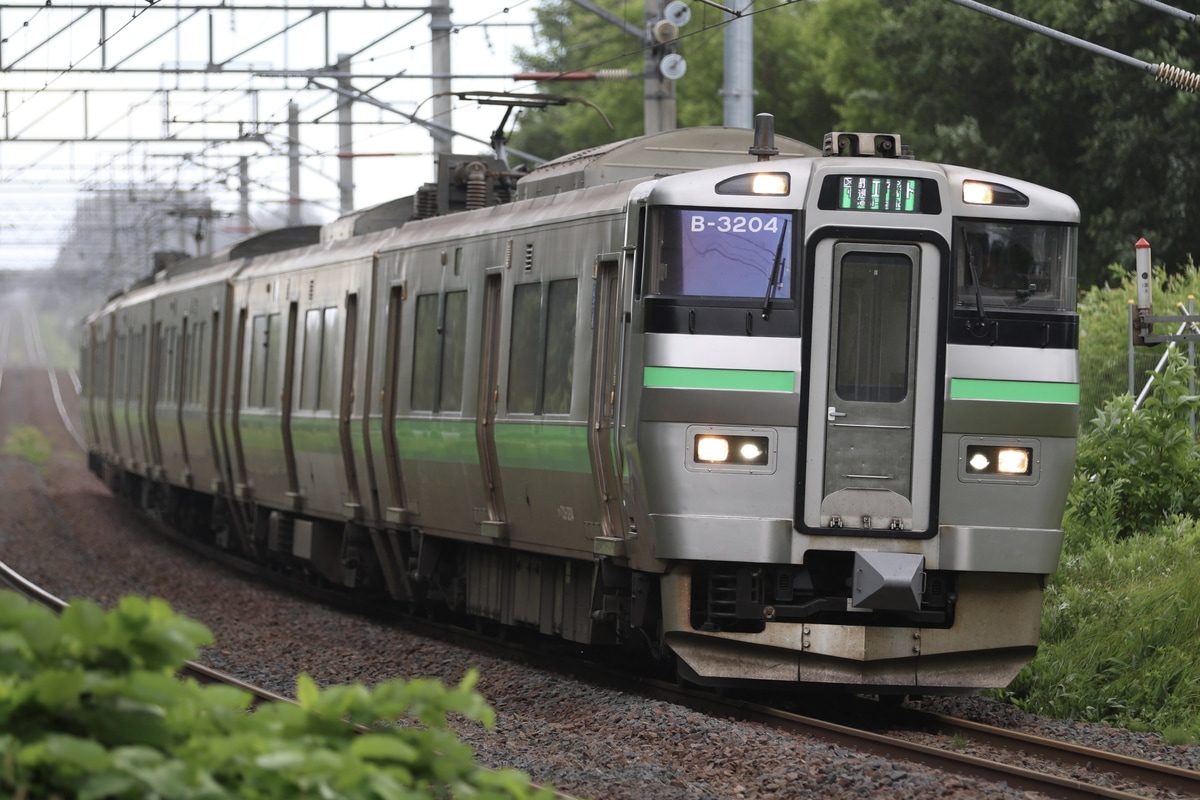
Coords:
28,443
1120,623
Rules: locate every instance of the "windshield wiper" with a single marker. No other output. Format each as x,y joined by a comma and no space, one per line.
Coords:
775,268
981,323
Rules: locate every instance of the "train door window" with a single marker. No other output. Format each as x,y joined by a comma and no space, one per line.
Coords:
439,352
425,353
137,362
274,352
120,368
185,361
543,347
100,369
523,362
310,372
331,349
874,307
195,363
560,347
172,356
454,352
265,345
166,365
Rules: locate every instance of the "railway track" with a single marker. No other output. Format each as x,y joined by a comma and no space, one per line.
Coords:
33,352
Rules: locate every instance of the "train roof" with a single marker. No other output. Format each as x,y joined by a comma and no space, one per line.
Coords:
666,153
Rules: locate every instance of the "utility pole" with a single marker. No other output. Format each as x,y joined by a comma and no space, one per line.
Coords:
659,93
739,69
439,29
293,214
345,136
244,195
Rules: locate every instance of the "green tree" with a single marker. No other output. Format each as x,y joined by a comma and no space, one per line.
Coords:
806,58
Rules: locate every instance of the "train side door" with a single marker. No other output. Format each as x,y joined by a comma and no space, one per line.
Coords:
489,398
871,388
602,447
346,406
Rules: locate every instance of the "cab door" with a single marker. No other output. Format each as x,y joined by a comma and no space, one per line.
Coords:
873,353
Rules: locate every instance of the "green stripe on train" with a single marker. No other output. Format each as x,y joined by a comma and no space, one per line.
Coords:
444,440
519,445
749,380
1018,391
562,448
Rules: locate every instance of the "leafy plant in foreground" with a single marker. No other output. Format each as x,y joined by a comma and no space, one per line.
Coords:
90,709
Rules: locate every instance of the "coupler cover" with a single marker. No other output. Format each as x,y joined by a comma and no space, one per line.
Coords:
888,581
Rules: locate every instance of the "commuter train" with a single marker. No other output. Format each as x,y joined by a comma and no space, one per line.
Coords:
777,414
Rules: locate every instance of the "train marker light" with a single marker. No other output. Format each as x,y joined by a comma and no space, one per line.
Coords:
770,183
982,193
757,183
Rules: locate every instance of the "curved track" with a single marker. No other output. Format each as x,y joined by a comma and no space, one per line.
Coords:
26,349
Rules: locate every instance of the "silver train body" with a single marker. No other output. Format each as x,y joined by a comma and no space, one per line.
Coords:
806,419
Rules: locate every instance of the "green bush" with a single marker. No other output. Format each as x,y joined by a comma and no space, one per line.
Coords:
1136,469
90,708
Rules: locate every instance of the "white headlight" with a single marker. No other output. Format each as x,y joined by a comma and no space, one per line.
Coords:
713,449
1013,461
750,451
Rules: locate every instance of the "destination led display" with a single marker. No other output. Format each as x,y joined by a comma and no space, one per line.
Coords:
879,193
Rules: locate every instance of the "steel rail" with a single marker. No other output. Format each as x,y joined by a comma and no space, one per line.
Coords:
1150,773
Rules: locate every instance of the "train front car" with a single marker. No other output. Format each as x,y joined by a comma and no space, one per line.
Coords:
856,417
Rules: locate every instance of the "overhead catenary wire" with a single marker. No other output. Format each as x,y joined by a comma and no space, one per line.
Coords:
1187,16
1174,76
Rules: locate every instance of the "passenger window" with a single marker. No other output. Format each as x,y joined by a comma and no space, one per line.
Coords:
439,352
319,368
543,347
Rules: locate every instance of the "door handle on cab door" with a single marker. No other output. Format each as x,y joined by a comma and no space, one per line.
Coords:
834,413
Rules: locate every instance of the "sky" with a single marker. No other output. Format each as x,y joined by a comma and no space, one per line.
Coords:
41,175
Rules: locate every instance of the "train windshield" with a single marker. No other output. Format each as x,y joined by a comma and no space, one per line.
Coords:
1014,265
720,253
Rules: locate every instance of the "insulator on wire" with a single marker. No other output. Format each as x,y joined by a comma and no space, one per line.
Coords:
613,75
1179,78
